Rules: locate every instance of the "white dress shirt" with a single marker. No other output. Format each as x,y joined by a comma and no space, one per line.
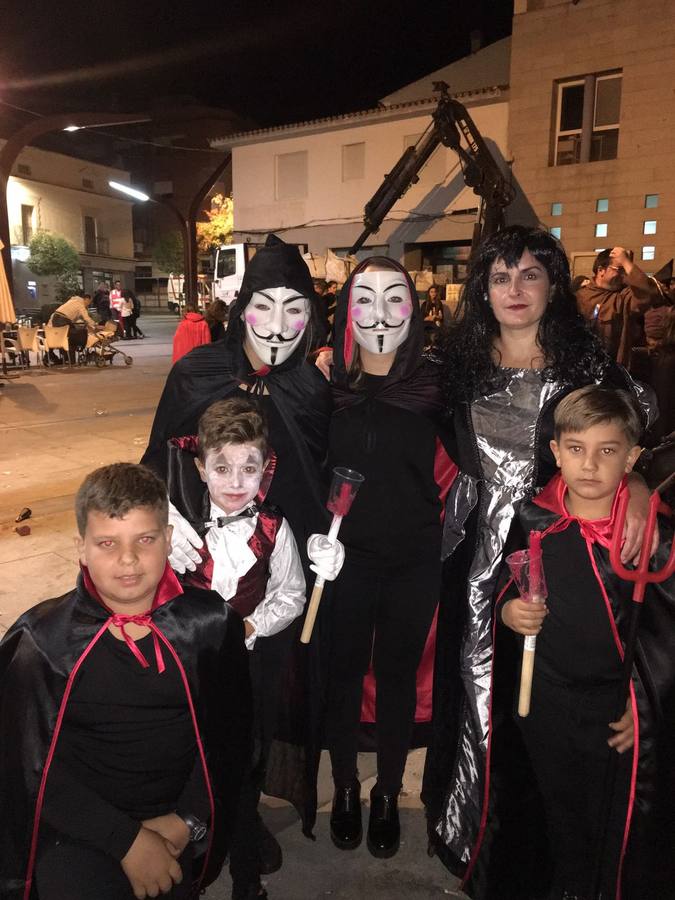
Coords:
232,557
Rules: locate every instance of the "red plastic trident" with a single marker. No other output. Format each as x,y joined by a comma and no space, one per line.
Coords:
641,577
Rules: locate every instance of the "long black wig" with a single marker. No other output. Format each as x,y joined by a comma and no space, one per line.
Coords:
572,353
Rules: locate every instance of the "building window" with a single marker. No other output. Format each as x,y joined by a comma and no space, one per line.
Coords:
26,223
602,205
556,209
651,201
23,169
291,175
601,229
89,228
587,119
353,161
556,232
648,252
649,227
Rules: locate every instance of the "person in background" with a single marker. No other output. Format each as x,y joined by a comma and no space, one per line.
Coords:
101,303
580,281
132,329
116,305
192,332
216,317
432,313
75,314
126,312
613,303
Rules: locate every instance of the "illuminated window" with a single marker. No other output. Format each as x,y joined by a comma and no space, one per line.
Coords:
649,227
648,252
556,232
602,205
651,201
601,229
595,99
556,209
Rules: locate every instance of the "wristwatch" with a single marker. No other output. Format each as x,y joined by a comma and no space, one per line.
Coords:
196,827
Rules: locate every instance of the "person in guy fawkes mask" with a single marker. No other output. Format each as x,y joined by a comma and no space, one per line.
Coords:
387,398
263,355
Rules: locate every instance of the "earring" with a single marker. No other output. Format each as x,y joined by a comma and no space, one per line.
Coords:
485,297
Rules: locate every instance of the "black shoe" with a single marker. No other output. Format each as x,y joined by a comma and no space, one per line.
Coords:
384,831
250,892
269,852
345,819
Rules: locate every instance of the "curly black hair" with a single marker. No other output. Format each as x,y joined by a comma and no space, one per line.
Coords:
573,354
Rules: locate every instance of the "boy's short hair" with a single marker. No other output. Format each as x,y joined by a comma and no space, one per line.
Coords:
233,421
117,489
593,405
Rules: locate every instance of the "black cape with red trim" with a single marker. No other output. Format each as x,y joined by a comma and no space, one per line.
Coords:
511,862
39,653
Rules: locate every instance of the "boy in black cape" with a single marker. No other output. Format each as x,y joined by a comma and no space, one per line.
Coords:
546,775
125,716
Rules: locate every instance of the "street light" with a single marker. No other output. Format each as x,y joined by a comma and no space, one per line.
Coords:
188,232
27,134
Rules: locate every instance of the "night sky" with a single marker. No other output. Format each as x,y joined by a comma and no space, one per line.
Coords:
270,62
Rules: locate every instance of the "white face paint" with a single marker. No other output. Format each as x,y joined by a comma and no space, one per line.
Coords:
276,319
232,474
381,308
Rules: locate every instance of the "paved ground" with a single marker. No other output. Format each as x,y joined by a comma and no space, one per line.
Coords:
57,425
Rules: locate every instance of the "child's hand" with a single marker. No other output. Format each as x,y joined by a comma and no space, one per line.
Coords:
150,866
523,616
623,739
327,559
324,361
172,828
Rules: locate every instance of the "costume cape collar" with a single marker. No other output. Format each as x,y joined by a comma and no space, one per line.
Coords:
598,531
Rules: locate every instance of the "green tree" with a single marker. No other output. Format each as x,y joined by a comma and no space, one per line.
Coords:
54,255
218,230
168,252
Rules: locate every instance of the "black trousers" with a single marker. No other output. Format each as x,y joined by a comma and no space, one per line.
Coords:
67,870
566,736
384,615
132,329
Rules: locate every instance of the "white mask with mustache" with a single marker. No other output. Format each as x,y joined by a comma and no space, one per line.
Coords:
275,321
381,307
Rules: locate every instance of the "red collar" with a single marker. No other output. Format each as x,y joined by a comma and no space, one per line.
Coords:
169,587
594,530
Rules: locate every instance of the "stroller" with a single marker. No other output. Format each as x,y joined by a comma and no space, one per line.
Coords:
100,347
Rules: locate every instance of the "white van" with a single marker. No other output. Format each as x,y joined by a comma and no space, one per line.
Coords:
228,270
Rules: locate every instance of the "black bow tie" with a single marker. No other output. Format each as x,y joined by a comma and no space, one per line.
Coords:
222,521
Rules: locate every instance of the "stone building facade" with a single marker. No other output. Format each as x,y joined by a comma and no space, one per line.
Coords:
592,97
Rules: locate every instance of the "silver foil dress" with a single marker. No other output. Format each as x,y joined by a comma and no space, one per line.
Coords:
505,425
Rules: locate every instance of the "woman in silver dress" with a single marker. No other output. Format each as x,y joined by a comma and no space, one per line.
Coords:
518,347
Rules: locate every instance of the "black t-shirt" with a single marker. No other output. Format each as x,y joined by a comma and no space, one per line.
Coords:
127,731
575,645
395,518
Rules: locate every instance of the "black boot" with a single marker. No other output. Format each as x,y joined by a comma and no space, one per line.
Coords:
384,830
345,818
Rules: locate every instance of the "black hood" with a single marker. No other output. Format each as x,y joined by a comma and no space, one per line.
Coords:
277,264
409,354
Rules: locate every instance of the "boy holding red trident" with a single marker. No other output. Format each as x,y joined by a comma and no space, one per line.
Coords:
548,769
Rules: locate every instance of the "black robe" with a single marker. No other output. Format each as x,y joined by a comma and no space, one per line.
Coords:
39,659
510,859
298,402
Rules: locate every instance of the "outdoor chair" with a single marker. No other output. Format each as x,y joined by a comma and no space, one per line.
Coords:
28,342
11,352
56,338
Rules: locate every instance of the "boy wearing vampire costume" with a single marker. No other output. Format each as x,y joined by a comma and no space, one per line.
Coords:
387,398
543,803
263,354
251,559
125,712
